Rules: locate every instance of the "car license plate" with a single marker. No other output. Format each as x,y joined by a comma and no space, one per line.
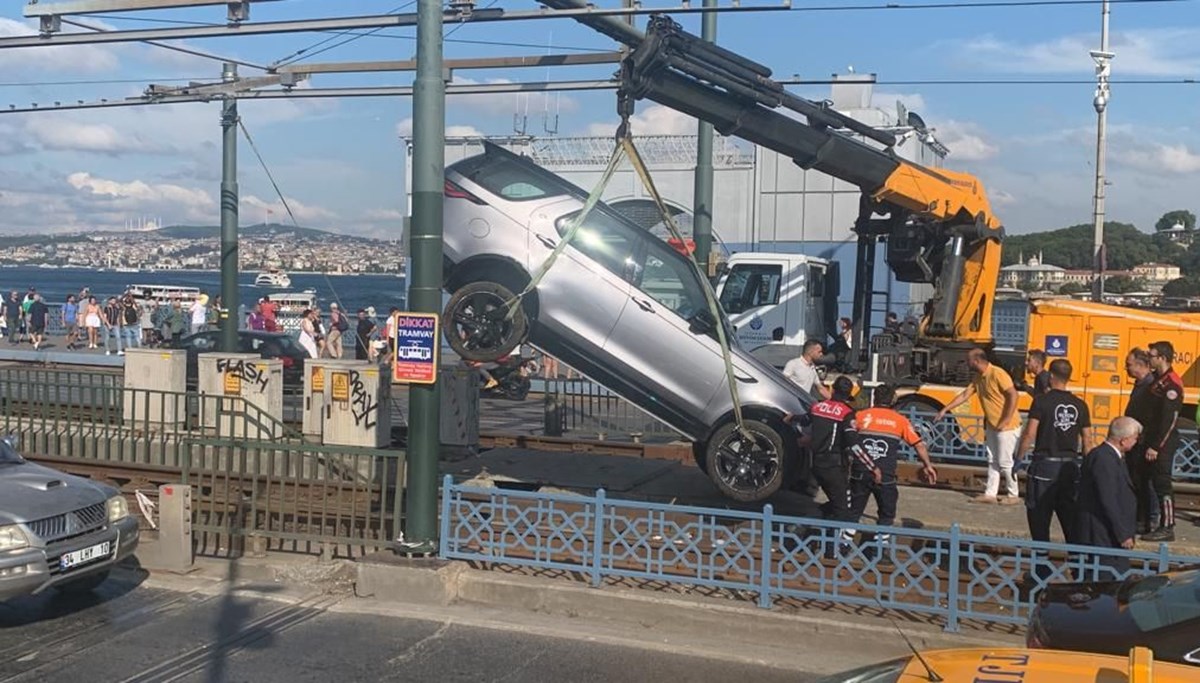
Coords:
85,555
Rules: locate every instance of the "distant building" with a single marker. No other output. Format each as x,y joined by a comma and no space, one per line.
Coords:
1033,274
1160,273
1178,233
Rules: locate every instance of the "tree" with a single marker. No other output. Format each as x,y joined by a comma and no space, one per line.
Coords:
1073,288
1122,284
1184,286
1072,247
1170,218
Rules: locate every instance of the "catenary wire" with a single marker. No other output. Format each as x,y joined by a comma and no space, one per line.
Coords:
304,53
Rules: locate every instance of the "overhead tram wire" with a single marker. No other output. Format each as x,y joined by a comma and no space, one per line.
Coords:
304,53
279,193
175,48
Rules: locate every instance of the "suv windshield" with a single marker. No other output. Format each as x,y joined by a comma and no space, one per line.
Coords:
9,455
1160,601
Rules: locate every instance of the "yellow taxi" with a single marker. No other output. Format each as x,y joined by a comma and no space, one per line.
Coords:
1021,666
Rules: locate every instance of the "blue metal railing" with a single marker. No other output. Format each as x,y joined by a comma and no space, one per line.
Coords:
947,574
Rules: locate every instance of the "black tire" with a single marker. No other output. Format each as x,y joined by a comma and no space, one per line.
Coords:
85,584
700,455
477,327
923,423
748,467
518,389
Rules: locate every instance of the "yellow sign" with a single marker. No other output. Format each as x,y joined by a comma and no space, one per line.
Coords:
318,378
341,386
233,384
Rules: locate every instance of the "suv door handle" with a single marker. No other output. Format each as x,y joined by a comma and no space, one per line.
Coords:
644,305
546,240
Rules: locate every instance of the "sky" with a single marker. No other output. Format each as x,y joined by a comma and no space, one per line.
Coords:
340,163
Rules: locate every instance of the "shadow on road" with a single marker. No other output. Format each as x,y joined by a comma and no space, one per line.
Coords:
54,604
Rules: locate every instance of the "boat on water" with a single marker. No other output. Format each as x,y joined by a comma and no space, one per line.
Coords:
273,277
294,303
164,292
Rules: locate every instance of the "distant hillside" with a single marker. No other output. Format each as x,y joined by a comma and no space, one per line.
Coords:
193,232
1071,247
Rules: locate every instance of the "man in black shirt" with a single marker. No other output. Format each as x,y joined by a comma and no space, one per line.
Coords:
1137,366
1035,364
1058,421
362,340
1162,403
38,312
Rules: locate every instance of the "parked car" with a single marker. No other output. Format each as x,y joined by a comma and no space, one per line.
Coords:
977,665
57,530
1161,612
620,305
266,344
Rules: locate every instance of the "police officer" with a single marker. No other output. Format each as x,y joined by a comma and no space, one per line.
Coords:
833,436
1137,366
881,433
1161,435
1059,430
1035,364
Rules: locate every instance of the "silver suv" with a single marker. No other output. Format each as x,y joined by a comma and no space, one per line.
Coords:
620,305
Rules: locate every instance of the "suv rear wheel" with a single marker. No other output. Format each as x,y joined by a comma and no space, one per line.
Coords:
478,326
747,466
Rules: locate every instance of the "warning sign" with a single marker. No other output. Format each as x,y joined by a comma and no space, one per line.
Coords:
340,389
416,354
233,384
318,379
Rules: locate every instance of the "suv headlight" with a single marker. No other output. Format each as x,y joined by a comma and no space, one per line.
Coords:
118,509
12,538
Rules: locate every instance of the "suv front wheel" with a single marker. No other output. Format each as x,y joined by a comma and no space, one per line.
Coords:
750,465
478,324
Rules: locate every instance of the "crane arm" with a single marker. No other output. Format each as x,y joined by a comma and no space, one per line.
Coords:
939,225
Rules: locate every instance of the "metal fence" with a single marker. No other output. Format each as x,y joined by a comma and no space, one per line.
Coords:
586,409
331,500
951,576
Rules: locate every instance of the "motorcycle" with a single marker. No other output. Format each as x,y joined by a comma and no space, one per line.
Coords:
512,375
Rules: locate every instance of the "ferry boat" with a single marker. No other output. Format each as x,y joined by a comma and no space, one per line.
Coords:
164,292
294,303
273,277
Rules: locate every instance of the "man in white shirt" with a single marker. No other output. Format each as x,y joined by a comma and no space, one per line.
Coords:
803,370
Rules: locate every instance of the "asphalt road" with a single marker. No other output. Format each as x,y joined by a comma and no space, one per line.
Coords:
135,630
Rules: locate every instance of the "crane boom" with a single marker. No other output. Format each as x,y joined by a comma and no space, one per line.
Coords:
937,224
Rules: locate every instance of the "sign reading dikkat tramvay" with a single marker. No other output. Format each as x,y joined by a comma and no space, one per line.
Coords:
415,359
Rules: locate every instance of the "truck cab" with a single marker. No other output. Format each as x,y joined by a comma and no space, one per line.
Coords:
776,301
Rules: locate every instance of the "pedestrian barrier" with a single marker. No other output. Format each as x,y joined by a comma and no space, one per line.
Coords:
334,501
950,576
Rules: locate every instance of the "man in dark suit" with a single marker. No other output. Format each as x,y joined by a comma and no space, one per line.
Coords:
1107,501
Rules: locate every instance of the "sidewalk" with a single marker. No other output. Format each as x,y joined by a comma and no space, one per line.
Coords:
672,482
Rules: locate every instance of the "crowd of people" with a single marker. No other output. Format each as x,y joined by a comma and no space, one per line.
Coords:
1104,493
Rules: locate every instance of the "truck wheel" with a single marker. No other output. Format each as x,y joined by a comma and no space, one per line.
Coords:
478,327
750,466
939,439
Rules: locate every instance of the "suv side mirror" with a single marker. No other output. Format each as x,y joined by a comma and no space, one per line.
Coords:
12,440
702,322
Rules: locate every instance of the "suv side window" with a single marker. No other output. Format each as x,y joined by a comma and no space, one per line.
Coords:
507,178
605,239
670,280
750,285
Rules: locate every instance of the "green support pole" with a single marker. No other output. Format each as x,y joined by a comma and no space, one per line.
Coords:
229,218
425,286
702,193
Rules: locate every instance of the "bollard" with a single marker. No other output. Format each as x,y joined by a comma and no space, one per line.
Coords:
175,527
553,414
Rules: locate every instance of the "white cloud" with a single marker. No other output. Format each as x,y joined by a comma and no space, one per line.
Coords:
653,120
88,59
306,214
384,215
138,191
57,134
1159,158
1140,52
966,141
510,102
404,129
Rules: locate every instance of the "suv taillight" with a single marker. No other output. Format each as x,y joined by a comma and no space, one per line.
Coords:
287,361
455,192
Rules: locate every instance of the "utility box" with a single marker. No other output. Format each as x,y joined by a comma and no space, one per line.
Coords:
175,527
356,401
155,386
241,395
313,417
459,407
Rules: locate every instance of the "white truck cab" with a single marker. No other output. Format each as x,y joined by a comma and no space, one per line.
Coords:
776,301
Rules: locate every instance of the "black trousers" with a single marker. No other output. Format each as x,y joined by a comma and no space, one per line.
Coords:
886,494
830,475
1160,479
1143,486
1051,490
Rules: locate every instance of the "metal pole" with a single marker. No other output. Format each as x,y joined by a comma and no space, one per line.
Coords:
425,288
229,218
702,201
1103,59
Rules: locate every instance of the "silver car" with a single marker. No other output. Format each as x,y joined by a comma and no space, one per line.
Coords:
620,305
57,530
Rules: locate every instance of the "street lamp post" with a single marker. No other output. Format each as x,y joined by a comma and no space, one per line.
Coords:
1103,59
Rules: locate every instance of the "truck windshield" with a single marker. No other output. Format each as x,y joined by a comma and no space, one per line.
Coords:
750,285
